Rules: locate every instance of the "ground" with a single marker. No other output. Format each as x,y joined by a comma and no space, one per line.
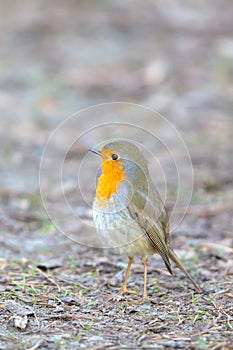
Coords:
58,59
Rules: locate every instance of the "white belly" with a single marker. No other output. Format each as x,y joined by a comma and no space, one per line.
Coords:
119,231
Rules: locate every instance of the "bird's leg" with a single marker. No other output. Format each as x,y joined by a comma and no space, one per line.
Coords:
144,296
145,264
124,287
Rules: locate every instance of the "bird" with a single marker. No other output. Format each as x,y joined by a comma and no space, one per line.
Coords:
128,212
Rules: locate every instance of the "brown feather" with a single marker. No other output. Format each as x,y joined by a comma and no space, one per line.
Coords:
153,232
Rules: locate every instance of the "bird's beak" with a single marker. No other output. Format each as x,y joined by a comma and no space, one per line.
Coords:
96,151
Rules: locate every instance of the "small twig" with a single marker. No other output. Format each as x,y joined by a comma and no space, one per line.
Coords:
70,282
49,278
36,346
223,312
69,316
50,324
37,321
218,346
182,339
217,293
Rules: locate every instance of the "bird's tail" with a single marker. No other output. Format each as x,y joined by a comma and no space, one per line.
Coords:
176,260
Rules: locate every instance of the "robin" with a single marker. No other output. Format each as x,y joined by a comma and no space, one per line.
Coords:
128,212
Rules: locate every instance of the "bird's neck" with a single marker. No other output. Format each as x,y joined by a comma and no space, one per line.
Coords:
112,175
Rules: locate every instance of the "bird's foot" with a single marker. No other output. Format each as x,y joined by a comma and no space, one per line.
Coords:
144,299
119,296
126,291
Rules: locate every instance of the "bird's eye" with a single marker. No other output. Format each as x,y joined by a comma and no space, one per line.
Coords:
114,156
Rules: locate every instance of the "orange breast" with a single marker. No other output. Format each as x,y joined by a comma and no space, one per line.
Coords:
112,175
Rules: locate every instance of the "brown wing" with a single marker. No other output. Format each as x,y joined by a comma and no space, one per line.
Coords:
148,216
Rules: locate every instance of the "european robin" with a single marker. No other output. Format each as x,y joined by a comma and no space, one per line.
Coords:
128,212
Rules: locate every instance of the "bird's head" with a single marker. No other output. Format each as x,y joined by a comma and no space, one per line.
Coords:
121,160
122,156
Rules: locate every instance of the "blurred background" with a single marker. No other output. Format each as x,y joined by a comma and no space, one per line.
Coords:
59,57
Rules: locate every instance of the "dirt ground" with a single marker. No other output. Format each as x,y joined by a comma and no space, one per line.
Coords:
58,58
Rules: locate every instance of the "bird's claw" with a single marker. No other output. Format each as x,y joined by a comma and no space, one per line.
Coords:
126,291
